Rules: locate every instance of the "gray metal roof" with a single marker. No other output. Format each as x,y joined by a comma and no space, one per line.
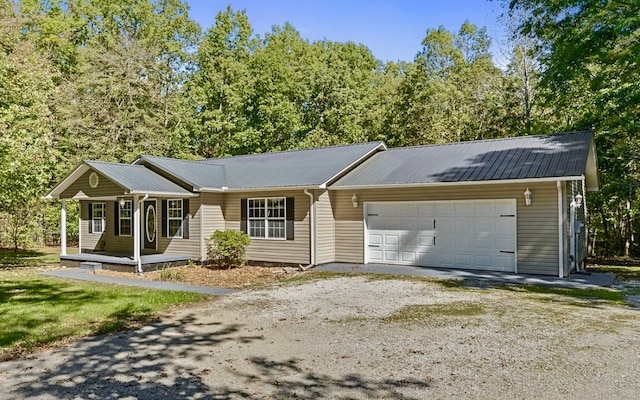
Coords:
526,157
296,168
193,173
137,179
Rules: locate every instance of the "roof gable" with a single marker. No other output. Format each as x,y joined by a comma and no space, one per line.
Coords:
286,169
123,179
526,157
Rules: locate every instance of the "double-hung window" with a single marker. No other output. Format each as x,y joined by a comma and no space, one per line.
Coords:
97,217
124,218
267,218
174,218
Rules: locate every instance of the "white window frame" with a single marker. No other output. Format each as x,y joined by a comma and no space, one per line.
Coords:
179,234
129,218
102,219
267,218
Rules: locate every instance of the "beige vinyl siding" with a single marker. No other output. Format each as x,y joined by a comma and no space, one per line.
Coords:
212,217
191,246
270,250
537,224
81,188
325,230
91,242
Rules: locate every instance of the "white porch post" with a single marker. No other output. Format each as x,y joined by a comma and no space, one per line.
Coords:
63,228
136,233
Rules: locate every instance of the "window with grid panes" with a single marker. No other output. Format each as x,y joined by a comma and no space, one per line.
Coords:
267,218
174,218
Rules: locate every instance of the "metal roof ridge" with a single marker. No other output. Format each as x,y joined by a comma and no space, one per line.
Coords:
510,138
377,143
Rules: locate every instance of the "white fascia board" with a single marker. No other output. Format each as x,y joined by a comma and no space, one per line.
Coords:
354,164
213,190
464,183
272,189
66,182
161,194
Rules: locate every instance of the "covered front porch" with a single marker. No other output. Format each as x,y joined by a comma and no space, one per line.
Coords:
123,262
129,216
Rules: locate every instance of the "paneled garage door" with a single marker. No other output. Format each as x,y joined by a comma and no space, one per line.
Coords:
470,234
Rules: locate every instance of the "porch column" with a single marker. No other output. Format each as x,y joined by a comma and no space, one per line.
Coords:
136,231
63,228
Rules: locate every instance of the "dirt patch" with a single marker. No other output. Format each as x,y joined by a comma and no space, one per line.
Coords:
233,278
353,338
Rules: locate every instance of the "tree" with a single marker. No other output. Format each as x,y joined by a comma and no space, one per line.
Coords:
452,91
221,90
590,52
26,151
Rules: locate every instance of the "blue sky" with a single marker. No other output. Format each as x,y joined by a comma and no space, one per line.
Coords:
392,30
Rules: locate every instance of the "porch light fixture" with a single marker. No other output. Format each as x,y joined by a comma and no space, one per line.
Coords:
122,202
577,200
527,197
354,201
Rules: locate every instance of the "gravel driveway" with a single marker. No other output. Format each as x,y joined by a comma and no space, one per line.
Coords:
353,338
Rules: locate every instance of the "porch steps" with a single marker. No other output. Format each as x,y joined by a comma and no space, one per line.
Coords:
90,265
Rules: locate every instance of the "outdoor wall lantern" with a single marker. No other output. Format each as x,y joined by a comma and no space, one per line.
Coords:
354,201
578,200
527,197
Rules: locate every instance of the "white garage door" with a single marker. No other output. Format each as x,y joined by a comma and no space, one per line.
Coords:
470,234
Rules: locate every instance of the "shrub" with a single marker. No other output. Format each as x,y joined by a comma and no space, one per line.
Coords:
228,248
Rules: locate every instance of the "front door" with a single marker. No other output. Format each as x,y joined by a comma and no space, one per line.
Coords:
149,225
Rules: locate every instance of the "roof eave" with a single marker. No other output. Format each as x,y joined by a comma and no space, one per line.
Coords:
144,159
67,181
381,146
461,183
273,188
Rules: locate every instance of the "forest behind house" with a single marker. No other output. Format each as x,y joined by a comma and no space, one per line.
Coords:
112,80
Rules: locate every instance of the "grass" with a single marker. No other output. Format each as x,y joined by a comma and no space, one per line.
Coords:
620,271
29,258
421,312
606,295
39,311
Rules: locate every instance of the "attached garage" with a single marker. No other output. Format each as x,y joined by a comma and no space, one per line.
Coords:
470,234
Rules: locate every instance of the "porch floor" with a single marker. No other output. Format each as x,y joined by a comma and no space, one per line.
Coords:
125,262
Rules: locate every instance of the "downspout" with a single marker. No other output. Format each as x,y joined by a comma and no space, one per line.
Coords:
312,228
139,239
560,232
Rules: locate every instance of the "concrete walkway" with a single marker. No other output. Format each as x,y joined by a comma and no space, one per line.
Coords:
575,281
88,275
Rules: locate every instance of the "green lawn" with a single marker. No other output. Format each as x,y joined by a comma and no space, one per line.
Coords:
37,311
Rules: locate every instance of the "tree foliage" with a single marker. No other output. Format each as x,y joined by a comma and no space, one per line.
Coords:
84,79
590,52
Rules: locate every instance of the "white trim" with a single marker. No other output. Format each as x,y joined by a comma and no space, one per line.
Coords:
312,226
270,189
181,230
365,229
266,218
136,230
464,183
63,228
202,238
68,181
349,167
120,208
155,209
103,219
560,231
79,228
512,201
